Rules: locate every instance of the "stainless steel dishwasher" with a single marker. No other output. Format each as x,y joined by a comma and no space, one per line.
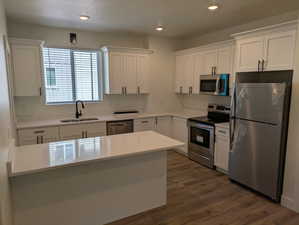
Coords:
120,127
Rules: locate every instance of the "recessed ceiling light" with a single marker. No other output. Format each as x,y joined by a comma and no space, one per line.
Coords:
159,28
84,17
213,7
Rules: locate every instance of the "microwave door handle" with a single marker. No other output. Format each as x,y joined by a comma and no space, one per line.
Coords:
217,85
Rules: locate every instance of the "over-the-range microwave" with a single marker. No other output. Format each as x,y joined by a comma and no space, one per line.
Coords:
217,84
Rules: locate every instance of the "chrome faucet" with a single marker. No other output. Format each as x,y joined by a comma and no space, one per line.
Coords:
79,112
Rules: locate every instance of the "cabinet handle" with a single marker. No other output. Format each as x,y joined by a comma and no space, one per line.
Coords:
221,131
145,121
40,91
138,90
191,90
258,67
181,90
85,134
263,65
39,132
215,70
42,139
37,139
125,90
82,134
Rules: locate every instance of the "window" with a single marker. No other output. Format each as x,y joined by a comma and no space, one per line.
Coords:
71,75
51,78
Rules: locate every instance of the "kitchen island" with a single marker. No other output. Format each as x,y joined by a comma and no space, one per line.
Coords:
90,181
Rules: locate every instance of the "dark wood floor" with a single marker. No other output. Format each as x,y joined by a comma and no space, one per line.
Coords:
200,196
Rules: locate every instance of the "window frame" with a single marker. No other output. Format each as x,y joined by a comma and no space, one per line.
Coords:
100,76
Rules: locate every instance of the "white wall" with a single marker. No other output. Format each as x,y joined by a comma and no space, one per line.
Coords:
5,127
291,180
162,67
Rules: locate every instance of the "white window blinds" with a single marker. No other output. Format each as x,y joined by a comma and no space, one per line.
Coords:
71,75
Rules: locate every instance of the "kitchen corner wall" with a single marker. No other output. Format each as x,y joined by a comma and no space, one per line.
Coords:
290,197
162,64
5,127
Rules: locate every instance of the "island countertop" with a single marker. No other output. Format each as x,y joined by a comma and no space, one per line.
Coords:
37,158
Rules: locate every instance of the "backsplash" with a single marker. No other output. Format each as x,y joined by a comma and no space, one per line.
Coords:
32,108
200,102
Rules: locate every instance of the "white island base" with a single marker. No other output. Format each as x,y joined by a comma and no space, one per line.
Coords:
93,193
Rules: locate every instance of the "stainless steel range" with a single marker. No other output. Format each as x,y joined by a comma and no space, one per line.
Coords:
202,134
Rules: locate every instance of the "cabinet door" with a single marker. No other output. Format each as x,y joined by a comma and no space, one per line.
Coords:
116,73
249,52
143,74
69,132
209,61
95,129
130,75
27,70
179,74
38,135
188,74
279,51
224,62
144,124
198,70
222,148
163,125
180,132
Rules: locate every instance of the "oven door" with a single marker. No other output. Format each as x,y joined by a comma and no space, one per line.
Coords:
201,143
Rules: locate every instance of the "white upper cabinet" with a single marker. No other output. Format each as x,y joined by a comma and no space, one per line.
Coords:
27,67
143,74
249,53
198,70
205,60
209,62
266,49
279,51
126,71
180,86
224,60
129,78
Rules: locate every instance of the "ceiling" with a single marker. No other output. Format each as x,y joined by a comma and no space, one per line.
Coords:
180,18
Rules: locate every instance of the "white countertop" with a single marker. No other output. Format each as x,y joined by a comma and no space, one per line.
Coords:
104,118
37,158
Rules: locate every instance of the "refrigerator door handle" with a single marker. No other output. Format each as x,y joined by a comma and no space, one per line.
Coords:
232,118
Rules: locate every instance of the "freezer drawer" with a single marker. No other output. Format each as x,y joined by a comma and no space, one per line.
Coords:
255,156
262,102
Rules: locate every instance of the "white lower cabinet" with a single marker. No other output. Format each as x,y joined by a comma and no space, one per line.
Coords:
180,132
163,125
222,145
38,135
144,124
76,131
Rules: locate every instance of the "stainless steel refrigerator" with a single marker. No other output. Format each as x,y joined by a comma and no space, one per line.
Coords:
259,126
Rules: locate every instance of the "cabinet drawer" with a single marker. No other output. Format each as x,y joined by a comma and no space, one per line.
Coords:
222,132
144,124
38,135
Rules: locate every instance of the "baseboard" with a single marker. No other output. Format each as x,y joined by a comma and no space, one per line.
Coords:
288,203
180,151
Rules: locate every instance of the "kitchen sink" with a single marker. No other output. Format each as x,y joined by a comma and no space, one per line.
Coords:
78,120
